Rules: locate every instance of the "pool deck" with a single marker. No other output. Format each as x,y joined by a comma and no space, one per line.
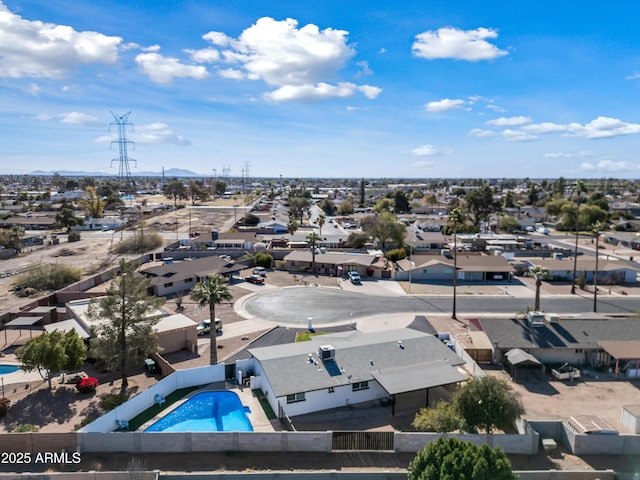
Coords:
18,379
257,417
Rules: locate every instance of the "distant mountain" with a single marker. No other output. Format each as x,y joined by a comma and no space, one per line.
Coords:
171,172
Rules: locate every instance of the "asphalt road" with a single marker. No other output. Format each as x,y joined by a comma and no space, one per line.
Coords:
328,305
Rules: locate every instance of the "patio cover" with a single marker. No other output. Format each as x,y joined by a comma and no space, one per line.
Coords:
23,322
417,377
623,350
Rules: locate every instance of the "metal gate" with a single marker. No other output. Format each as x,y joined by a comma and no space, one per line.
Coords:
363,441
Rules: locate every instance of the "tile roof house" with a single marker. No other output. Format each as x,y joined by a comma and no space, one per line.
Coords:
351,367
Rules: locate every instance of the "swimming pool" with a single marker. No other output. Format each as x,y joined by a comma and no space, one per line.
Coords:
218,411
4,369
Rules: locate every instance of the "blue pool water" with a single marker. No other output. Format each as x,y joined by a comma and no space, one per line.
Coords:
206,412
4,369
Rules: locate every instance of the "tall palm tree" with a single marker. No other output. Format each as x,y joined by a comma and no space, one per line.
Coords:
321,221
455,219
539,273
579,188
313,238
596,228
211,292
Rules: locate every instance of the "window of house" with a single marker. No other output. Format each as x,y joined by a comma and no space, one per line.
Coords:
188,280
360,386
167,285
296,397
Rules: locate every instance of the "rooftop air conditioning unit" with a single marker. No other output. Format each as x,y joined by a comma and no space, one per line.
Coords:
327,352
535,319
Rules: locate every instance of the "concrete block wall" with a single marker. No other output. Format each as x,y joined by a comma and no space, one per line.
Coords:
187,442
514,444
38,442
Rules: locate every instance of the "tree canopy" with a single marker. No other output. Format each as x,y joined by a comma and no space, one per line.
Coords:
483,403
487,403
52,352
385,227
452,459
126,335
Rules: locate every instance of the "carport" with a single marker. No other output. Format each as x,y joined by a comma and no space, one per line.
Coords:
623,350
519,360
414,378
23,323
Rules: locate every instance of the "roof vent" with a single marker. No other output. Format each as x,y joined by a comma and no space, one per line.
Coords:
327,352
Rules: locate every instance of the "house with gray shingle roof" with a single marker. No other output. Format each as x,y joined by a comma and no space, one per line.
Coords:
176,277
336,263
581,340
352,367
471,268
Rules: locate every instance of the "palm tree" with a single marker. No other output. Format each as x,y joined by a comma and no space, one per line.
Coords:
455,219
579,188
313,238
211,292
596,228
321,220
539,273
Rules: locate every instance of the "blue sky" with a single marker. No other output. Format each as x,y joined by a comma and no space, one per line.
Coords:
410,89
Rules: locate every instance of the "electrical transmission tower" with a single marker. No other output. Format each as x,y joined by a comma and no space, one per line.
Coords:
125,182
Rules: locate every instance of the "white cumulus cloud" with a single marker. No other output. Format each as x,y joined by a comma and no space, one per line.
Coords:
297,62
153,133
78,118
448,42
444,105
517,136
164,69
424,151
601,127
480,133
609,166
205,55
581,154
38,49
509,121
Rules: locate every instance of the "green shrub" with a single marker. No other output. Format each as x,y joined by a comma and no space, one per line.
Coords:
85,421
112,400
261,259
139,244
396,254
26,427
50,276
73,236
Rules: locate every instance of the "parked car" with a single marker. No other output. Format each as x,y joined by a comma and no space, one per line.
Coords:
260,271
204,327
355,278
257,279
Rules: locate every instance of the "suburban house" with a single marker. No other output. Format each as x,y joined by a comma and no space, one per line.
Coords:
30,222
173,277
336,263
272,227
424,240
624,239
471,268
175,332
587,340
349,368
610,272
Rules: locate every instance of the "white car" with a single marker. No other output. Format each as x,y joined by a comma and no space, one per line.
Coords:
260,271
204,327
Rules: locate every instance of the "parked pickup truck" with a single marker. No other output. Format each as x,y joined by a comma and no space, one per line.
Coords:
566,372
